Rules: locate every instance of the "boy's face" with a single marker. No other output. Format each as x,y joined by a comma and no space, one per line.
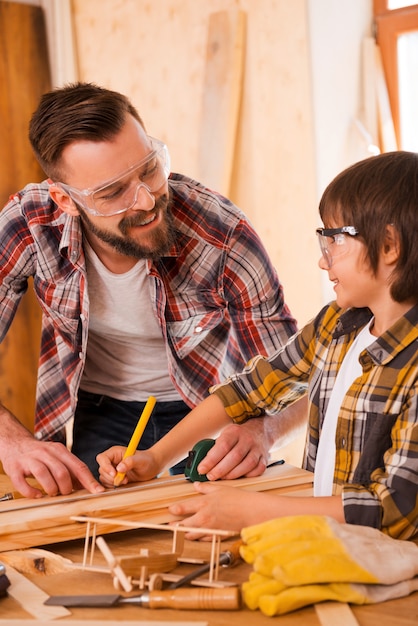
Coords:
348,268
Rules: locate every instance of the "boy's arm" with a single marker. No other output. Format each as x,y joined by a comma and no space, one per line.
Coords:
244,449
204,421
240,450
233,509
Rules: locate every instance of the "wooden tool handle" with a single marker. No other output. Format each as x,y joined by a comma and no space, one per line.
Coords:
205,598
231,554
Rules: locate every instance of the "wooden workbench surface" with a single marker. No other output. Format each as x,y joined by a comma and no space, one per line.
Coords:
403,612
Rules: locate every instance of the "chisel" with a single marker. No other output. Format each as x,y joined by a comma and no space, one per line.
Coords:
205,598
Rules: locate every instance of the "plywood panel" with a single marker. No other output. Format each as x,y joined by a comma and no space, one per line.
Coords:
24,76
224,69
156,52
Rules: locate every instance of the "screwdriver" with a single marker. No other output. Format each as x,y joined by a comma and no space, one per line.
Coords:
205,598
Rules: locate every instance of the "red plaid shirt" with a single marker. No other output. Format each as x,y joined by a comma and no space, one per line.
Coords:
216,296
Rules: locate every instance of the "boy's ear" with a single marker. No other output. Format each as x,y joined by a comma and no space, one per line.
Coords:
63,200
391,247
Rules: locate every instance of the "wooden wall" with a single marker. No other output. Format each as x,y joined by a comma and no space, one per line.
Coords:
158,54
24,76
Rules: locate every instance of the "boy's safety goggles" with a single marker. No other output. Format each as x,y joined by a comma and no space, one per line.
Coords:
333,241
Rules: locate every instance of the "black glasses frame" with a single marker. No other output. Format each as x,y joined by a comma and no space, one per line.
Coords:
343,230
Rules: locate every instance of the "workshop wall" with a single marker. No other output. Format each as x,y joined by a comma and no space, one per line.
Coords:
24,55
156,53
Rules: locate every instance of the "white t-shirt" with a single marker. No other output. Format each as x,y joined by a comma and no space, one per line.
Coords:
350,370
126,353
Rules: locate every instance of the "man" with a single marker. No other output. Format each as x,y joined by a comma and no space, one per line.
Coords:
148,285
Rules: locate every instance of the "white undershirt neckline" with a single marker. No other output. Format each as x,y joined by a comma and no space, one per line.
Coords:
126,353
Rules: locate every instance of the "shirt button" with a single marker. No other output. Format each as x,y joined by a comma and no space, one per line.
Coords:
80,356
82,317
198,329
343,442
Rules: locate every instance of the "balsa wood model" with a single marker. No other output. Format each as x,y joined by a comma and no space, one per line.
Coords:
148,568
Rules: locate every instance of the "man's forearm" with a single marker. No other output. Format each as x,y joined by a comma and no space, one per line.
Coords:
11,430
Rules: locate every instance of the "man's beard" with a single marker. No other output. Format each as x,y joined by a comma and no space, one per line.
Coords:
159,241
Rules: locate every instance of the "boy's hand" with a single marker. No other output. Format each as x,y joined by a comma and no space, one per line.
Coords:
217,507
240,450
138,467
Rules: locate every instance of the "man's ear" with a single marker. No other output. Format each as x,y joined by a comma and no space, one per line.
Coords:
391,247
63,200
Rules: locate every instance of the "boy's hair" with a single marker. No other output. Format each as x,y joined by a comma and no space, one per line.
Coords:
79,111
372,194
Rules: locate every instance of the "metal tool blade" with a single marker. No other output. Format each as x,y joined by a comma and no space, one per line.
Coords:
105,600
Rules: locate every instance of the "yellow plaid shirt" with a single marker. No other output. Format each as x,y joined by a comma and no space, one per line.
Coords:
376,464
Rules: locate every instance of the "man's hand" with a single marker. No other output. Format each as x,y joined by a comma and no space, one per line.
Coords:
54,468
51,464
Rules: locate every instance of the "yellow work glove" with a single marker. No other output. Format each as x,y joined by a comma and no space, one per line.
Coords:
305,559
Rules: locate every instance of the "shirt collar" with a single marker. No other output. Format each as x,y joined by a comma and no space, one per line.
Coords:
400,335
71,238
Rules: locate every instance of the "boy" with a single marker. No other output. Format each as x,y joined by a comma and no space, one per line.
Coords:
359,358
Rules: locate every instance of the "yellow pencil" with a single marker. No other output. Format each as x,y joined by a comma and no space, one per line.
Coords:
136,436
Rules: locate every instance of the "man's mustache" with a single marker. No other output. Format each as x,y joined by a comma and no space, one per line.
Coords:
139,218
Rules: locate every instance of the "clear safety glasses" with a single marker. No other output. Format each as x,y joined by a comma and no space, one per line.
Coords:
333,241
120,193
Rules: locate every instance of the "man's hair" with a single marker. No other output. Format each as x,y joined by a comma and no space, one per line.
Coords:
372,194
79,111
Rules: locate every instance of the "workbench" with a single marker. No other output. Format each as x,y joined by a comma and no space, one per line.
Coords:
402,612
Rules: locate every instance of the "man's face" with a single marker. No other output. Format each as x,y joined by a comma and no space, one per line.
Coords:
146,229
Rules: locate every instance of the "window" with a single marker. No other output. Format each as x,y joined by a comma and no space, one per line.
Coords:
396,24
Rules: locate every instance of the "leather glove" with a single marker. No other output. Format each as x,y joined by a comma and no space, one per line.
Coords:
300,560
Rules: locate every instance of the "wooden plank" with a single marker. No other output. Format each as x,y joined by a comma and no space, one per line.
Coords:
31,598
388,139
83,622
24,76
222,91
28,523
335,613
369,88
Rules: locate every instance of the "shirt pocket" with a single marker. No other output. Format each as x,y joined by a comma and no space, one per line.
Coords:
60,309
377,440
186,335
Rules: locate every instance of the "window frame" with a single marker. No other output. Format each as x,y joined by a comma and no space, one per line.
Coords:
388,25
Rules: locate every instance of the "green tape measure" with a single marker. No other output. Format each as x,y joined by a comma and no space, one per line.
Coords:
196,454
